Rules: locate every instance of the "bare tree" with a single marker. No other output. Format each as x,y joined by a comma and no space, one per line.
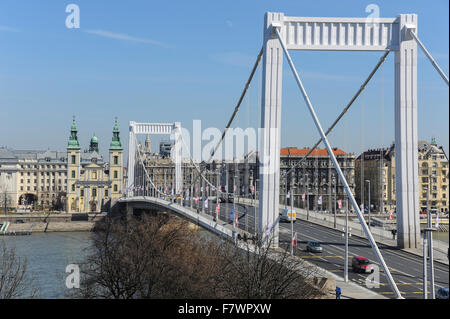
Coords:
154,257
160,256
15,282
256,271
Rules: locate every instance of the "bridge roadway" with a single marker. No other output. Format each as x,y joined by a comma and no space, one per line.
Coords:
406,268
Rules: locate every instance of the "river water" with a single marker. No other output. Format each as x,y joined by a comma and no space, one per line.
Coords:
48,255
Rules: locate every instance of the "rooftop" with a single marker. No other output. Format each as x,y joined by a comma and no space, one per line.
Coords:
293,151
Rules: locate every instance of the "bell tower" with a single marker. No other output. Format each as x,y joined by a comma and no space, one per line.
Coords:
73,169
115,165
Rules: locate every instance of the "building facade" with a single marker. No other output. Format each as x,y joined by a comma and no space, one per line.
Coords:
74,181
33,179
315,177
92,184
378,167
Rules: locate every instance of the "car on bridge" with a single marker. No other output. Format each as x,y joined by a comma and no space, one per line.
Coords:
442,293
362,264
314,246
287,215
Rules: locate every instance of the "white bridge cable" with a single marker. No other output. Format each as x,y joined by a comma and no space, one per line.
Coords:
199,170
236,109
338,170
357,94
433,62
145,169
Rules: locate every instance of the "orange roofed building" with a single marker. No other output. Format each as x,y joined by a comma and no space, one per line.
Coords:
316,177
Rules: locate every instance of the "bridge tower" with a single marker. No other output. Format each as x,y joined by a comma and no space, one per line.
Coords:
73,170
174,129
343,34
116,165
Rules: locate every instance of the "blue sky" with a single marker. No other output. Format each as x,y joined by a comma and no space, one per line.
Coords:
166,61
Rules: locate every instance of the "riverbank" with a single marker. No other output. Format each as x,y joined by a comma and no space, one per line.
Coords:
73,226
41,223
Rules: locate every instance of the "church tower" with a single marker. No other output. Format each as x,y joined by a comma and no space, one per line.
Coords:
116,166
148,148
73,169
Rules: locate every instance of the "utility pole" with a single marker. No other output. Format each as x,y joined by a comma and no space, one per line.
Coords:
291,198
430,253
346,243
368,181
307,197
335,183
234,190
425,253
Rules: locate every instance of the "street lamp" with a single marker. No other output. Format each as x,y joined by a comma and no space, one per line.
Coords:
425,255
307,196
368,181
334,183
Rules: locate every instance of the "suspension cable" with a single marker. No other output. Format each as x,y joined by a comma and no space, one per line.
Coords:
433,62
363,86
236,109
145,169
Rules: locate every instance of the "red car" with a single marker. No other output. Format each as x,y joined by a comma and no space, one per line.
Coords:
362,264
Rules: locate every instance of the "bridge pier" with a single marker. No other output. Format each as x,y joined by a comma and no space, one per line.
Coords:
406,139
269,170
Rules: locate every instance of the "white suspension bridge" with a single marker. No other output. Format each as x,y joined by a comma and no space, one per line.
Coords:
281,35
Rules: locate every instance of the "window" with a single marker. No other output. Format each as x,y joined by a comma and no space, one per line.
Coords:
116,160
106,192
115,174
115,187
73,174
94,192
73,187
73,159
82,192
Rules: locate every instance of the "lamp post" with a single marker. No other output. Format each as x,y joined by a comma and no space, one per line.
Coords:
291,198
307,196
368,181
430,253
425,255
346,243
334,182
